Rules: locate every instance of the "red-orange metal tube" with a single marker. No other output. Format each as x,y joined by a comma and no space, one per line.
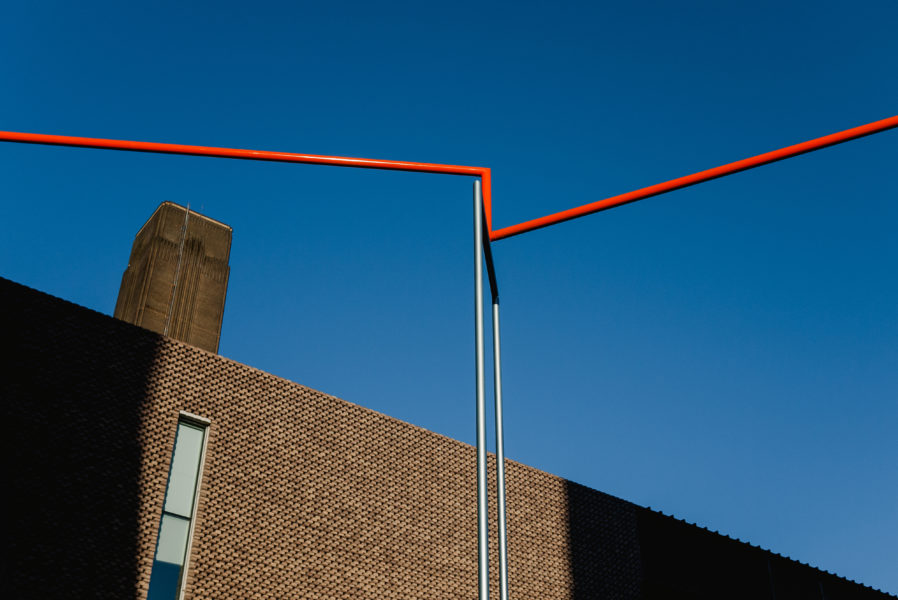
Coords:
312,159
681,182
486,182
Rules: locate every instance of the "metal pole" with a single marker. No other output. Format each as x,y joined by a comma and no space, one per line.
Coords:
483,571
500,456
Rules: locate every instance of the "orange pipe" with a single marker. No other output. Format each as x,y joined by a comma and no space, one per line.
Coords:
289,157
681,182
482,172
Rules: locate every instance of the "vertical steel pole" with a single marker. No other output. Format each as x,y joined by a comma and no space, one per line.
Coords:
483,571
500,455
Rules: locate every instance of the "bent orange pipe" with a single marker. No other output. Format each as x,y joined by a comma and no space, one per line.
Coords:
482,172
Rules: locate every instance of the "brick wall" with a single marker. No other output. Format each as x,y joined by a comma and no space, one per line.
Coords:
303,495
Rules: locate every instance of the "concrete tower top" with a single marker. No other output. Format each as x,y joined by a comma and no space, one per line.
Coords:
177,276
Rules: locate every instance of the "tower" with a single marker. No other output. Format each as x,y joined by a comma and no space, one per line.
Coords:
177,276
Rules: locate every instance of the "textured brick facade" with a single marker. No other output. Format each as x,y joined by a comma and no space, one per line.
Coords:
303,495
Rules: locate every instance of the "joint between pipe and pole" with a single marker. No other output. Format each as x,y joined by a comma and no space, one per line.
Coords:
490,264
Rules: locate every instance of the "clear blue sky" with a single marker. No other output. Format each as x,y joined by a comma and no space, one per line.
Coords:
726,353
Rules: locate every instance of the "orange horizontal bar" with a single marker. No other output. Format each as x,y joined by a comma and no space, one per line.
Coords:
289,157
701,176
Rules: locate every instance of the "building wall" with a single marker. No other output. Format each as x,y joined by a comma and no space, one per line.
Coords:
303,495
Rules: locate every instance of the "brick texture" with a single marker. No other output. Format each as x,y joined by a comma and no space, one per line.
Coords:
303,495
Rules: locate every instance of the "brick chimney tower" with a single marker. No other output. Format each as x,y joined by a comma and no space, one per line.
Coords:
177,276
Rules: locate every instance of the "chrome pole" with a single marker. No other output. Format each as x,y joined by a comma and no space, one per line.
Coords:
483,581
500,456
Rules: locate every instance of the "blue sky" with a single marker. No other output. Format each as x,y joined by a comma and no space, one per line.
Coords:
726,353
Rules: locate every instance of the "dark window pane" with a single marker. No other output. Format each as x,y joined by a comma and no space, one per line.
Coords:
164,581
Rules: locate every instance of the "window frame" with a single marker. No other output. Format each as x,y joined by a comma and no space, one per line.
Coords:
205,426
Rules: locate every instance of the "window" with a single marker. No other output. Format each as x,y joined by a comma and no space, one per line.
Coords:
178,510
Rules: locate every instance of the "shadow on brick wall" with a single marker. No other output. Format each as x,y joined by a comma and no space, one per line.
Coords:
622,551
71,398
604,549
